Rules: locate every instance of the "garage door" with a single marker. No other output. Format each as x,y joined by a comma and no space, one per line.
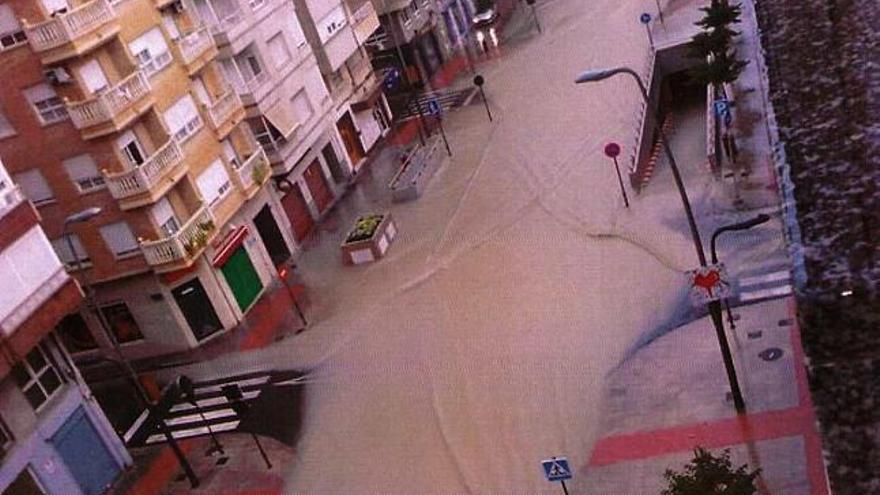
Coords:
298,213
317,183
242,278
76,441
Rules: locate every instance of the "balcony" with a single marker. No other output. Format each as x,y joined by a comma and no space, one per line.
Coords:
10,197
364,20
114,108
151,180
73,33
225,113
253,173
195,50
182,248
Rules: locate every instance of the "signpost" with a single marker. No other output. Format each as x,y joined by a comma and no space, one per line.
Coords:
437,111
233,394
556,469
645,19
478,82
531,3
612,150
187,388
708,284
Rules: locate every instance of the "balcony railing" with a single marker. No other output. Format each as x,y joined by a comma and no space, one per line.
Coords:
225,106
254,170
109,104
194,45
65,28
227,21
144,178
184,245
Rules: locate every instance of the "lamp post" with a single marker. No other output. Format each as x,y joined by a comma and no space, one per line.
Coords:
714,306
85,216
758,220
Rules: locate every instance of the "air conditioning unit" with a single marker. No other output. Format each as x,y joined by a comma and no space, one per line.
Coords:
57,76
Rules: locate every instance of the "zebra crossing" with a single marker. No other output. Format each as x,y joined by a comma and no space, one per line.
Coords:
771,283
210,411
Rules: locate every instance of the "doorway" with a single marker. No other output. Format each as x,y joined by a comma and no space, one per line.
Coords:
76,441
197,308
269,232
242,278
350,138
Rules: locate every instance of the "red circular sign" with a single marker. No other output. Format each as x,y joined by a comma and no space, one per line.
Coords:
612,150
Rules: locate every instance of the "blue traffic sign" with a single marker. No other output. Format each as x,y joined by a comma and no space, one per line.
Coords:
556,469
645,18
392,78
722,106
434,107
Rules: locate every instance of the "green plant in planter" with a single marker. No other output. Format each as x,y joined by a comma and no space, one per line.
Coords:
364,228
259,173
200,237
709,474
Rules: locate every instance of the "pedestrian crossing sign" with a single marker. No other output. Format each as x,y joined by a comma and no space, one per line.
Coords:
556,469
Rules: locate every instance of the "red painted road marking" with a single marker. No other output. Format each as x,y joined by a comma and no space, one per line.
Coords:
747,429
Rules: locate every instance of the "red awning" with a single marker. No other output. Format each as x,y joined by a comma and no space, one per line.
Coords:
228,245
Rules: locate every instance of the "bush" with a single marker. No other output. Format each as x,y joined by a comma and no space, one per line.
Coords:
708,474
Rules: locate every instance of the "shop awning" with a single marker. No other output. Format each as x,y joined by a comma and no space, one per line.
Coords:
282,118
369,99
228,245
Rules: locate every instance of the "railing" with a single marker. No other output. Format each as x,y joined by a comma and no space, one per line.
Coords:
185,243
64,28
10,197
194,44
254,170
258,80
225,106
228,21
110,103
143,178
380,40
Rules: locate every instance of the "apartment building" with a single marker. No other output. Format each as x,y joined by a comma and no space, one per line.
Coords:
267,58
129,106
414,30
336,31
54,439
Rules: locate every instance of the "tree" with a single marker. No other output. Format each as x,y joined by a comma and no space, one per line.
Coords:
708,474
718,63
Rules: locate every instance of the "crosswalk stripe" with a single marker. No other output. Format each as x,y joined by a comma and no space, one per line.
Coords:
782,290
220,413
213,401
243,383
136,426
767,277
202,430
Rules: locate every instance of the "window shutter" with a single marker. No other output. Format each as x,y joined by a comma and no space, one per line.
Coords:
302,107
40,92
34,186
119,238
179,114
81,167
8,22
152,41
278,50
61,248
213,182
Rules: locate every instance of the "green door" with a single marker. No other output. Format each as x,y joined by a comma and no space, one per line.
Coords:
242,278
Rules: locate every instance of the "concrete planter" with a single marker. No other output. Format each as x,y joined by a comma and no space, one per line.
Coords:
358,249
419,166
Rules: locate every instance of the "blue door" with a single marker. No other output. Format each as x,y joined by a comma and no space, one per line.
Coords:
84,453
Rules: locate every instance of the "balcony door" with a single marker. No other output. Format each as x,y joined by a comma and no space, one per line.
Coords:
163,215
131,149
93,76
197,308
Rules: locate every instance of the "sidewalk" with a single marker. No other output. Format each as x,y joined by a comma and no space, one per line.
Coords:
670,398
156,471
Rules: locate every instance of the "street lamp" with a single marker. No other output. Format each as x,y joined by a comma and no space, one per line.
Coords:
714,306
758,220
85,216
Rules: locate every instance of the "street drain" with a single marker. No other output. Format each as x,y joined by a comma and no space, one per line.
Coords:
755,335
770,354
786,322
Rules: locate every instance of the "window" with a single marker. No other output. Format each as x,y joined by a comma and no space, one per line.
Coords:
151,51
183,119
93,76
122,322
46,103
62,248
37,376
75,333
6,438
6,128
278,51
131,149
35,187
11,34
84,173
214,183
24,484
302,107
164,217
120,239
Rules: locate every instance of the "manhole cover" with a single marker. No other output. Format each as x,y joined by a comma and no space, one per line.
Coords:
786,322
770,354
755,335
